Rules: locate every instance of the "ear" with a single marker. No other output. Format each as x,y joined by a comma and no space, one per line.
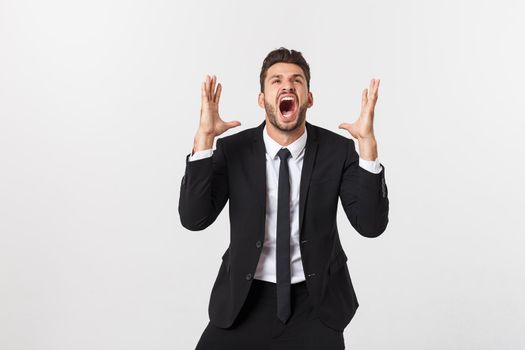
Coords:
310,99
260,100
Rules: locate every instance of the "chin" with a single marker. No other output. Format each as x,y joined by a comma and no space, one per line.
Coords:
289,126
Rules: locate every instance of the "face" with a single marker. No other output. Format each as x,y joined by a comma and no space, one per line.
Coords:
286,97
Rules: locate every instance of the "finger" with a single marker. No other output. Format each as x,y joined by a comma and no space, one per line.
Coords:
207,87
374,93
364,98
203,90
218,95
212,87
371,91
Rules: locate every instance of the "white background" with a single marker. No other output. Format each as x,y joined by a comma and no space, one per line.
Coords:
99,103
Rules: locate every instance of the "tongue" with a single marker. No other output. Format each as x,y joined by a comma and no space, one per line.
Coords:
287,114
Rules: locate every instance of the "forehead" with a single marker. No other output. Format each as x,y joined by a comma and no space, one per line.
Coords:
284,69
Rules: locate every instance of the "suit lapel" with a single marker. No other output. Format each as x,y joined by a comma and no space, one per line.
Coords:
310,154
258,164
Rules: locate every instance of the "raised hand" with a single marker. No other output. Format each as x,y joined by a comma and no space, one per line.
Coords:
211,124
363,128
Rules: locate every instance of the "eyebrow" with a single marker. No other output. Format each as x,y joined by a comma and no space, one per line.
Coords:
293,75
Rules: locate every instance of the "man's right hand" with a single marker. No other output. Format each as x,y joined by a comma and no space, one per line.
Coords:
211,124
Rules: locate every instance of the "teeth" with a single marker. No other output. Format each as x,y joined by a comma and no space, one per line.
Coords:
287,98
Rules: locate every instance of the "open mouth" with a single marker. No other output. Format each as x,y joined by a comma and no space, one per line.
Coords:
287,106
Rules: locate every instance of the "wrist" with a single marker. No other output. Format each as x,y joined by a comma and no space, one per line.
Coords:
202,141
368,148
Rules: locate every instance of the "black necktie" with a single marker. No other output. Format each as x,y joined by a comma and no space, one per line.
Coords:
283,239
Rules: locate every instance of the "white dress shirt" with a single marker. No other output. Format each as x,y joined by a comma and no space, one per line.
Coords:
266,268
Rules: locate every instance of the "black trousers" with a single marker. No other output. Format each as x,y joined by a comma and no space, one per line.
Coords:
257,326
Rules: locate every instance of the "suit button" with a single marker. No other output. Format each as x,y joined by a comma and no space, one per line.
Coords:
258,244
248,276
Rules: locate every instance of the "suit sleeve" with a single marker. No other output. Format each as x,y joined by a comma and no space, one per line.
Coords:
364,196
203,190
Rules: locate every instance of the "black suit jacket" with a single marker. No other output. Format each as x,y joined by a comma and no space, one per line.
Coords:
237,172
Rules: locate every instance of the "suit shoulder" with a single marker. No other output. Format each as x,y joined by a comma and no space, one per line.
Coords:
238,138
326,135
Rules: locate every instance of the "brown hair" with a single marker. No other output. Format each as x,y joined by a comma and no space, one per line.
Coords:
286,56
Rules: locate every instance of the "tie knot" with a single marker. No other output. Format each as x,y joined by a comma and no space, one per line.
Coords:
284,153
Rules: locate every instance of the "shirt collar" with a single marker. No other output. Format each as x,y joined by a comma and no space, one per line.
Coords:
272,147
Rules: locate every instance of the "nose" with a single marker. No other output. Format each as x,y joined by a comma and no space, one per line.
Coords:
288,88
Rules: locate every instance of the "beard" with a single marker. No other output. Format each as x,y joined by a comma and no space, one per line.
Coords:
274,119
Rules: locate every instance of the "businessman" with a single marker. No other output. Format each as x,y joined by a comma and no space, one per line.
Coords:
283,282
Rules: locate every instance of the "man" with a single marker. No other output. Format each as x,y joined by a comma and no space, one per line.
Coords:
283,282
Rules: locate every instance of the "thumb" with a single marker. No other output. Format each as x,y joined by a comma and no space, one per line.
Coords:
345,126
348,127
232,124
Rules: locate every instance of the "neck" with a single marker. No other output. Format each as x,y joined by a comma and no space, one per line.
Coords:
284,138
